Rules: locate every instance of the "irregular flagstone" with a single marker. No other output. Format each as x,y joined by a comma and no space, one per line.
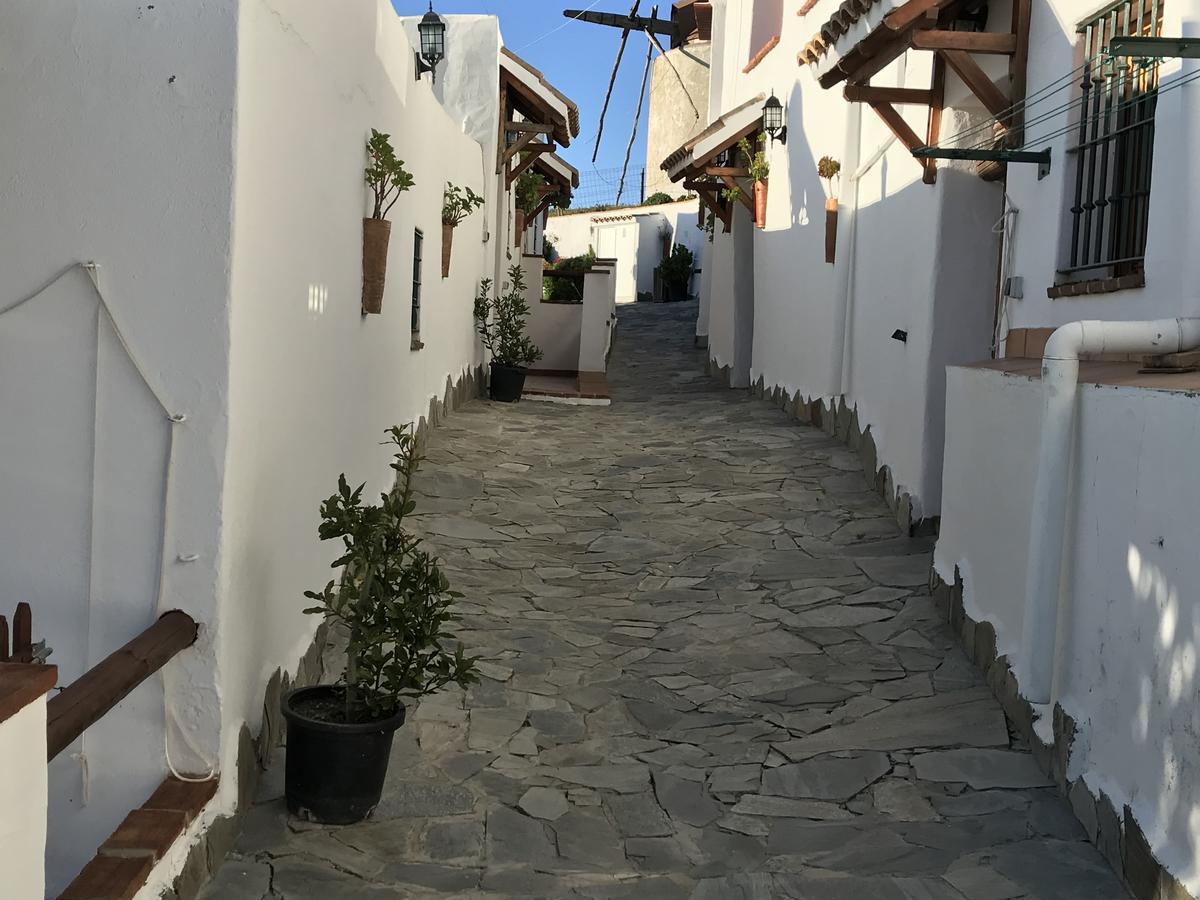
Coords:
981,769
685,583
969,717
826,777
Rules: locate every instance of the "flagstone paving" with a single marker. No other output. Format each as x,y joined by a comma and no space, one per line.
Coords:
711,670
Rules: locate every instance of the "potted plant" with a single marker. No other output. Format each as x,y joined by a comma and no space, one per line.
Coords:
395,603
500,320
387,179
829,169
528,194
457,204
759,169
676,272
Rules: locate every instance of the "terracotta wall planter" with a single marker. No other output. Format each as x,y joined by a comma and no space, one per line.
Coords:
760,204
447,246
831,217
376,234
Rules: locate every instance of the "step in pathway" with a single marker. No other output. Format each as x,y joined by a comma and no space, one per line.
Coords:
711,670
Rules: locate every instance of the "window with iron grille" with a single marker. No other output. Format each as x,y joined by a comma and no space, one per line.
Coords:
1114,145
418,250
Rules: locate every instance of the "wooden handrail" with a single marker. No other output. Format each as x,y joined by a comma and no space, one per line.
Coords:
86,700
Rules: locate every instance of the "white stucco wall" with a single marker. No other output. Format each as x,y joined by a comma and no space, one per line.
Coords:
1130,623
599,315
313,383
117,147
678,107
23,802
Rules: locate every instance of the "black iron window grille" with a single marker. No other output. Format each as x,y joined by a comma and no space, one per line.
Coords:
1115,144
418,250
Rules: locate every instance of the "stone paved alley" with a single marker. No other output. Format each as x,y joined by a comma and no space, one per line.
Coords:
711,670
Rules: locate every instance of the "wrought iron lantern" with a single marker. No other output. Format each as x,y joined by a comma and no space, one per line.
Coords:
773,119
432,29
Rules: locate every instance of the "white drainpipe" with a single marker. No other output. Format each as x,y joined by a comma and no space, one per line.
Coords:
1048,520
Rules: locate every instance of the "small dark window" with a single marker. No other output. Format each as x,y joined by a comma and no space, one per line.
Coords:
418,251
1114,144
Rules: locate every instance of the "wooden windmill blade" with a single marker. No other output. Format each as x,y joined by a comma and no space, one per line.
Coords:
612,79
637,116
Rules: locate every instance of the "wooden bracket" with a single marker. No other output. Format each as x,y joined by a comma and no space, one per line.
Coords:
518,145
527,127
707,194
532,152
993,99
747,200
896,124
542,207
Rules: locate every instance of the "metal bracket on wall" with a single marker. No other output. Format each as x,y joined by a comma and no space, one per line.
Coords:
1041,157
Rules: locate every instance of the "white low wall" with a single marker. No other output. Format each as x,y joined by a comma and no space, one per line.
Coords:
23,803
599,316
554,327
1130,627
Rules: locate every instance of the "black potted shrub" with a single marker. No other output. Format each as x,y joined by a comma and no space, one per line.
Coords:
500,320
395,604
676,272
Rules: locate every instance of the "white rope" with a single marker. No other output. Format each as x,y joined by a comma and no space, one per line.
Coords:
175,419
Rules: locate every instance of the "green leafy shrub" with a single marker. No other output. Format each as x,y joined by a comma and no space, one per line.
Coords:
756,160
394,599
458,203
500,321
677,268
527,192
656,199
385,175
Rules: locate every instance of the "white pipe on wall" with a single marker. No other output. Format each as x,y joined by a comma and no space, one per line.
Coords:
1048,519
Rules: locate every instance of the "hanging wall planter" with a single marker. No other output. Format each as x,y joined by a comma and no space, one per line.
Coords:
457,204
387,178
376,236
831,217
829,169
760,204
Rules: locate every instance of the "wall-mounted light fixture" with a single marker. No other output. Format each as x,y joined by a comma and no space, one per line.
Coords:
773,119
432,29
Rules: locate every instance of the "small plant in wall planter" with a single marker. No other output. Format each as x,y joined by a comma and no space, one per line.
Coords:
500,321
395,603
387,179
830,170
760,170
527,196
457,204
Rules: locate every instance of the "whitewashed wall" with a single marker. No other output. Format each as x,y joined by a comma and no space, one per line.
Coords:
1130,626
117,146
314,384
915,257
23,802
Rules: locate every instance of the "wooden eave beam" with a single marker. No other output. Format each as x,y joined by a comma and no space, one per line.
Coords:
535,127
993,99
1017,67
724,171
995,42
518,145
864,93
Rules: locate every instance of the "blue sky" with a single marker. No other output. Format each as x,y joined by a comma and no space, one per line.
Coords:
577,59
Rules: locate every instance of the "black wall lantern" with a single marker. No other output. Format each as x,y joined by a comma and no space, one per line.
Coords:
773,119
432,29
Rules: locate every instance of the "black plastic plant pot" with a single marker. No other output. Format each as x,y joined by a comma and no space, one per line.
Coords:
335,771
507,383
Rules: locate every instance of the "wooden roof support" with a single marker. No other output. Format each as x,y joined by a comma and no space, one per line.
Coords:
967,41
731,184
977,80
707,192
1017,66
518,145
864,93
723,171
937,90
532,151
543,206
896,124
